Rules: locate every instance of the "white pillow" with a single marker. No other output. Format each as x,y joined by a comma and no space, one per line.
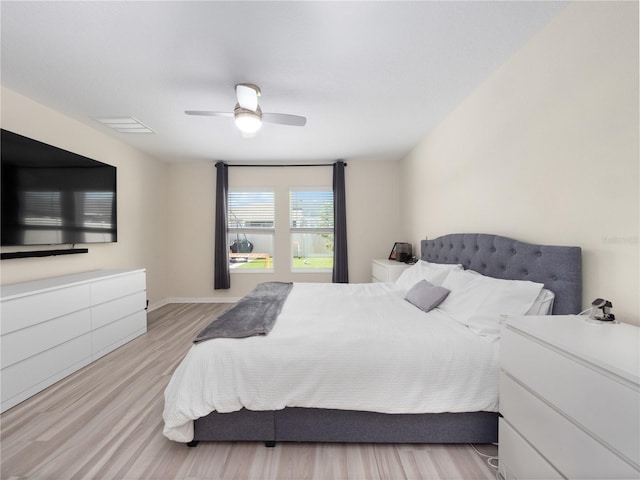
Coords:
460,279
434,273
473,295
543,304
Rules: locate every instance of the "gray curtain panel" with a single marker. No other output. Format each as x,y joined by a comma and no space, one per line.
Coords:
340,263
222,278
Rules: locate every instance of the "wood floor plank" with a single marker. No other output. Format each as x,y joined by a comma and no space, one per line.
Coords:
105,422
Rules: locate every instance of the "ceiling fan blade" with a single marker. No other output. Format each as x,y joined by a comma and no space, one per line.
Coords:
206,113
247,95
284,119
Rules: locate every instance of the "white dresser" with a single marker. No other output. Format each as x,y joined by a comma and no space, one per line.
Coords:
52,327
386,271
569,396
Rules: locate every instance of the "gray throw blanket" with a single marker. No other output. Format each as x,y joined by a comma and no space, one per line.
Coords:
254,314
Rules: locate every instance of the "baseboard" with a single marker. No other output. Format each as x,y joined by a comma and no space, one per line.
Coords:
167,301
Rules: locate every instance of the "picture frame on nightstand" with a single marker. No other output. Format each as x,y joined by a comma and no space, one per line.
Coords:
394,251
401,252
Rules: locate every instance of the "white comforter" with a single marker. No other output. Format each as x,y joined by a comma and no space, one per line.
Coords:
339,346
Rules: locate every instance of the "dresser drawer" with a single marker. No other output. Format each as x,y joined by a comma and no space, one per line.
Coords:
27,342
30,310
606,405
569,448
114,334
23,379
519,460
108,312
116,287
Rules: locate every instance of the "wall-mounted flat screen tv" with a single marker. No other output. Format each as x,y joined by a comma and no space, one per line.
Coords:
51,196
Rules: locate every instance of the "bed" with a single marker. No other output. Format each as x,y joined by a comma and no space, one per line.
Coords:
255,411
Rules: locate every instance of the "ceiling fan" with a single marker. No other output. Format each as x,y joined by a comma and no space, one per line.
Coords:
247,113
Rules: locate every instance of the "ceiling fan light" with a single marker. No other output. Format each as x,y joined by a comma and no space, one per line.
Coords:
248,122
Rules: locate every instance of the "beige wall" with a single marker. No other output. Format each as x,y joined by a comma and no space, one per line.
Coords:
142,200
372,190
546,151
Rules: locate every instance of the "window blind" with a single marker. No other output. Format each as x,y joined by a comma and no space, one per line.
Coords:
251,211
311,210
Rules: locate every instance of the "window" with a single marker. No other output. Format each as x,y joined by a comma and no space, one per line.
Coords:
251,229
311,226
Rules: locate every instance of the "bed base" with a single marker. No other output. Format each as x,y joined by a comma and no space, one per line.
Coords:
346,426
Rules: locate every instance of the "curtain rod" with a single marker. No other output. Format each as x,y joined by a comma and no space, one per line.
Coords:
284,165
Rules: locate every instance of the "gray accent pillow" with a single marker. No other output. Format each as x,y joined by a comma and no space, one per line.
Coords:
426,296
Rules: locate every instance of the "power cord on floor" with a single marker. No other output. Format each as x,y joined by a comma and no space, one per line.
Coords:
492,460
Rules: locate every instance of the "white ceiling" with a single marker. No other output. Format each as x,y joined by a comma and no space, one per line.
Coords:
372,78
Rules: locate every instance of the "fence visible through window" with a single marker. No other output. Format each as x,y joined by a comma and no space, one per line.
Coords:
311,228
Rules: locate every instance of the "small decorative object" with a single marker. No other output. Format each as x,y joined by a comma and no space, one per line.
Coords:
601,311
401,252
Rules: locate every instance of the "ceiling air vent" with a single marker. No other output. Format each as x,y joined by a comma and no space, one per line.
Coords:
124,124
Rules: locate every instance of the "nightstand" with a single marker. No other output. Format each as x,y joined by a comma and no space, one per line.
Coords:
569,397
386,271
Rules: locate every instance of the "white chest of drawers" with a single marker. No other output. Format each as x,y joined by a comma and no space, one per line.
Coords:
386,271
570,399
52,327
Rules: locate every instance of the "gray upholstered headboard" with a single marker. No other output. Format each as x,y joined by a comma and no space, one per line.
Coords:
559,268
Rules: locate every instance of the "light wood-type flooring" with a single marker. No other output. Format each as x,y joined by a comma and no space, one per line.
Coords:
105,421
